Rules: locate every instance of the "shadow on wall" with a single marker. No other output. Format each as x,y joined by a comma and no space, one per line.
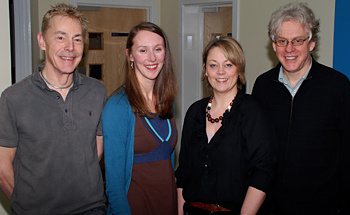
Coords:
5,203
272,55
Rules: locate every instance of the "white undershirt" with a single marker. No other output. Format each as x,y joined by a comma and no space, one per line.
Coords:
209,137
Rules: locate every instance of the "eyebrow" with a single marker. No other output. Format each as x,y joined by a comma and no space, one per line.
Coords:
298,37
66,34
148,46
210,60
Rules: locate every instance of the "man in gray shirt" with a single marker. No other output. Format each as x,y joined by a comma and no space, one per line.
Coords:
50,130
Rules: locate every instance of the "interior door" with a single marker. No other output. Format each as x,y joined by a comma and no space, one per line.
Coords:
218,22
104,51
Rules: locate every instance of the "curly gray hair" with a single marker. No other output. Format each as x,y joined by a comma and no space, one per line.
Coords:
299,12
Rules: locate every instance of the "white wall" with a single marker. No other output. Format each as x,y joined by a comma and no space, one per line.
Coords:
168,21
254,18
5,73
5,54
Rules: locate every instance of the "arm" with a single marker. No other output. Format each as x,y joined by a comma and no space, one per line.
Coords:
184,168
260,158
173,153
180,202
117,129
6,170
344,170
99,143
252,202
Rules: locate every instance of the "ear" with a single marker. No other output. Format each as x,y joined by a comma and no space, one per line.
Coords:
312,45
205,69
128,55
41,41
274,46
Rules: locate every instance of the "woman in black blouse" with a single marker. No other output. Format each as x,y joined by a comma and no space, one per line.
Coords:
224,165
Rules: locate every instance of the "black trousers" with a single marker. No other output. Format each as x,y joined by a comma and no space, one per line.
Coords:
190,210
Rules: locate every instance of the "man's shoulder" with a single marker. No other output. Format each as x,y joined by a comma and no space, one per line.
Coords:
327,73
271,74
265,79
20,87
92,82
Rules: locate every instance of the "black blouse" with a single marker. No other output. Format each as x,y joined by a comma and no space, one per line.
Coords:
238,156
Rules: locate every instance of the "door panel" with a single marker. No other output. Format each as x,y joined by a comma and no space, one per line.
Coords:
111,54
216,24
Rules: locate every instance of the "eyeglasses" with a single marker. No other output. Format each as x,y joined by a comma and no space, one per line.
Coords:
295,42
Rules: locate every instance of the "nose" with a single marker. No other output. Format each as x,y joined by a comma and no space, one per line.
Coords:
152,57
289,47
69,45
221,70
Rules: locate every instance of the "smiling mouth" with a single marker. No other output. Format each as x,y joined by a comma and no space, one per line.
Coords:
152,67
221,79
67,58
290,58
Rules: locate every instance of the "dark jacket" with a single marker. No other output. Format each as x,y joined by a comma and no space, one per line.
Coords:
313,136
236,157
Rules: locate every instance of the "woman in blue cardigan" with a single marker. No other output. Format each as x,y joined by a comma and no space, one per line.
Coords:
139,129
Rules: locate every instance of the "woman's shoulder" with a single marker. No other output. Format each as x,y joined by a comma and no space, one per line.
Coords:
197,105
196,110
118,101
118,97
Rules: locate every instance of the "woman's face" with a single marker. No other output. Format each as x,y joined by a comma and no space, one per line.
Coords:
148,53
222,74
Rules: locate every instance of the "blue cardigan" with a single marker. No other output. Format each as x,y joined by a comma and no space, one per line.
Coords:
118,123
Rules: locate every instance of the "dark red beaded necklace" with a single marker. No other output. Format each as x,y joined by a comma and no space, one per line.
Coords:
216,120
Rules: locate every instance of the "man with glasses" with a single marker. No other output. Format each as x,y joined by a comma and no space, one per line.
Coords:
309,106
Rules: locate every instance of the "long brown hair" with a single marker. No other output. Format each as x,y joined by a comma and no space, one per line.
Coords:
165,87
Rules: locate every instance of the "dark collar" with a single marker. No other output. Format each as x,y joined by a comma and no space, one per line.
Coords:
41,83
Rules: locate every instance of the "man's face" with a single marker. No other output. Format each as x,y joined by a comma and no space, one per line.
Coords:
294,59
63,45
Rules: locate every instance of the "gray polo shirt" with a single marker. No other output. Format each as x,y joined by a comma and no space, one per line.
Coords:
56,165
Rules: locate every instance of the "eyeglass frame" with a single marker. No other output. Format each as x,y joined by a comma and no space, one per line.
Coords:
292,42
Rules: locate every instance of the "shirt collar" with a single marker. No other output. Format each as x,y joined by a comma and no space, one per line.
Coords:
41,83
282,78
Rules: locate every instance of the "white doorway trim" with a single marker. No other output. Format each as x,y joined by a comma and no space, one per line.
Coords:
191,21
151,6
23,39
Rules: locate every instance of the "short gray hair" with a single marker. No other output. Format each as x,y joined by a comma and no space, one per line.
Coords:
66,10
298,12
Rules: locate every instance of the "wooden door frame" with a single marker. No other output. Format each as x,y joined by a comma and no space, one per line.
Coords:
151,6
